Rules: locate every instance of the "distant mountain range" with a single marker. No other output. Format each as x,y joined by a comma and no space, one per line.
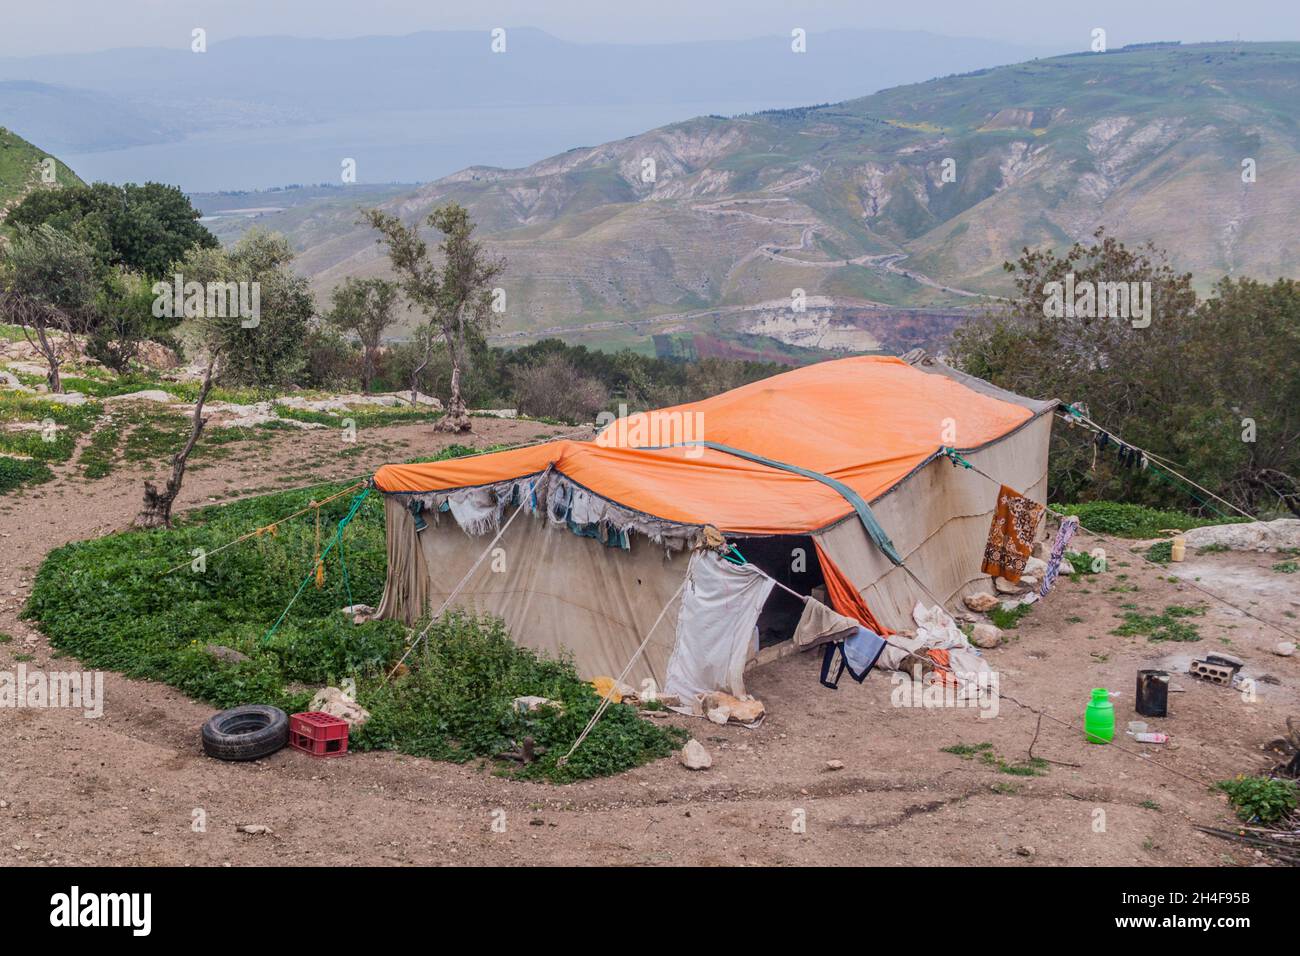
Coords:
850,202
271,111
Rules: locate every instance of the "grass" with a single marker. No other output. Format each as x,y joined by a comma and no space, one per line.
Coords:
1286,567
1084,564
1136,521
1162,552
108,602
1007,620
1158,628
1033,767
17,472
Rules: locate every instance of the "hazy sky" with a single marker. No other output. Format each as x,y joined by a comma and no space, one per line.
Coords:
54,26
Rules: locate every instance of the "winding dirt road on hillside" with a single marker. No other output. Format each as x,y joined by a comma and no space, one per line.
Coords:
123,789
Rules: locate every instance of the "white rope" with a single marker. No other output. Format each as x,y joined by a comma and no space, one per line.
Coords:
468,574
609,695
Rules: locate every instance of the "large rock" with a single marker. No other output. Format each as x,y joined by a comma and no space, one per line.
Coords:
332,701
145,395
65,398
694,757
986,636
227,654
745,710
1248,536
980,603
1035,567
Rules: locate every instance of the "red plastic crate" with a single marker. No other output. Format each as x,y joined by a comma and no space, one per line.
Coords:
318,734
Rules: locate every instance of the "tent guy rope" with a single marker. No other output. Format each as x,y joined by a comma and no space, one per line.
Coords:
455,592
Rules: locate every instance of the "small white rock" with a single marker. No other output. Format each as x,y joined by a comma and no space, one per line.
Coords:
986,635
1284,648
694,757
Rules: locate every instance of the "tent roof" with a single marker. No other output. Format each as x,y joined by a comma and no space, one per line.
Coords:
867,421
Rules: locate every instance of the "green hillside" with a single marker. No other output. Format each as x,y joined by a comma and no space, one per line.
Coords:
20,169
850,201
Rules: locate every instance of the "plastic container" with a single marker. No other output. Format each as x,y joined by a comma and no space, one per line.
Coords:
318,734
1099,718
1151,738
1152,693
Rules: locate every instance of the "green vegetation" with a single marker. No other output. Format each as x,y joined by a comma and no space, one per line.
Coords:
16,472
1169,626
1162,552
109,602
1286,567
1265,799
1007,620
1241,345
1033,767
1123,520
20,168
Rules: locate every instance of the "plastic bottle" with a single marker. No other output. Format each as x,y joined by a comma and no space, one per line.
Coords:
1099,718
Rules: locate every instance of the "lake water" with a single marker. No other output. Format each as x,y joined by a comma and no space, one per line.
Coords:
391,146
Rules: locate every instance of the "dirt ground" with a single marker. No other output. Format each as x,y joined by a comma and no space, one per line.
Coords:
127,788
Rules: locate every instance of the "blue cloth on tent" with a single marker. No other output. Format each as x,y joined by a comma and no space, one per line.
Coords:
858,654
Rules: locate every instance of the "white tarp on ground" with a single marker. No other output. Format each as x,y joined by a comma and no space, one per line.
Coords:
716,627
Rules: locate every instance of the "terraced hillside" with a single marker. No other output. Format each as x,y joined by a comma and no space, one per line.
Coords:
850,203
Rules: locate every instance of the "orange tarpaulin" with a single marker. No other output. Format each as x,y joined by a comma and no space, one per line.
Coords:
844,597
866,421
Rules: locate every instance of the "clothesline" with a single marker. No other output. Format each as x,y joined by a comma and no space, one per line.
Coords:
1060,515
1078,418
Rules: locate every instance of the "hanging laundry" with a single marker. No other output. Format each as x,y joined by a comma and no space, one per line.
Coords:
857,654
844,597
1011,534
819,624
1063,535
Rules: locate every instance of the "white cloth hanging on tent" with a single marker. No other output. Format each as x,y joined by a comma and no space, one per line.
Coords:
716,628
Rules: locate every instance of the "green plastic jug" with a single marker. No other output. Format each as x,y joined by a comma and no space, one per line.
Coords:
1099,718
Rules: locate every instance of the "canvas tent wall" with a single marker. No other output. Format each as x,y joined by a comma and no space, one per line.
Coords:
609,526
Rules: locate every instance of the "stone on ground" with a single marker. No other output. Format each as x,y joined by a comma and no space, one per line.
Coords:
694,757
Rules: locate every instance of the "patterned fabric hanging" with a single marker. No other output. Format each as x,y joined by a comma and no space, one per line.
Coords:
1011,535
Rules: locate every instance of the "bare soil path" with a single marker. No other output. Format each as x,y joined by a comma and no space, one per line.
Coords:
127,788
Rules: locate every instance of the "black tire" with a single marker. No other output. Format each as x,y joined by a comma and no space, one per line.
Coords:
245,733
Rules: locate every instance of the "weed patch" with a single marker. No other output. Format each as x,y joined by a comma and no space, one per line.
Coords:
1157,628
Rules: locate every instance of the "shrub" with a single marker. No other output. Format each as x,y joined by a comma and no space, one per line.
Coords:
554,388
1264,798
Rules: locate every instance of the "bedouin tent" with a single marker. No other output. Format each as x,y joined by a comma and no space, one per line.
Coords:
601,536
